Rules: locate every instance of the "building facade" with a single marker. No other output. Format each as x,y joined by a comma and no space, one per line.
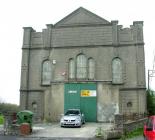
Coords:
86,62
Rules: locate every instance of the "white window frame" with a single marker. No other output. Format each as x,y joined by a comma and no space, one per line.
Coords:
81,67
71,68
117,71
46,72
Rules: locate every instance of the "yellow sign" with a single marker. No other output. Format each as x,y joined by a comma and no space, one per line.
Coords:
88,93
85,93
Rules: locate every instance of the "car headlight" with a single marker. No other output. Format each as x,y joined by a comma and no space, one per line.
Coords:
78,120
62,120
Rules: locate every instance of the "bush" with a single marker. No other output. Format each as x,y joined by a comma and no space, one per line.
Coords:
7,107
1,119
132,134
150,102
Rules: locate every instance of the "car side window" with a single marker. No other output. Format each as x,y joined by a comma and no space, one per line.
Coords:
149,123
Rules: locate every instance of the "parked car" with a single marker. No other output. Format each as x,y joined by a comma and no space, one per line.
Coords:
149,128
73,118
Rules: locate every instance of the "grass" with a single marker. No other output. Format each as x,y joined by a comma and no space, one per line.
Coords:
132,134
100,133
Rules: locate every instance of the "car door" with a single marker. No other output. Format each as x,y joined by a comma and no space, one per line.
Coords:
149,129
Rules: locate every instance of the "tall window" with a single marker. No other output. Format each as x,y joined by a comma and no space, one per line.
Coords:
91,68
117,71
71,68
81,63
46,72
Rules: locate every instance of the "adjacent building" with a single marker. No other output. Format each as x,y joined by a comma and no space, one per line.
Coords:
83,61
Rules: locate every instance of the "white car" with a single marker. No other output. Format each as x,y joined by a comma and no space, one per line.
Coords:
73,118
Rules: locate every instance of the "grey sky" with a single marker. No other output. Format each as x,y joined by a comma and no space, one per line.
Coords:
16,14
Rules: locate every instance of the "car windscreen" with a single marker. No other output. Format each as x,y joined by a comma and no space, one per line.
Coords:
72,112
149,123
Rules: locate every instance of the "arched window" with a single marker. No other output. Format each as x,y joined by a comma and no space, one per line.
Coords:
117,71
46,72
71,68
81,64
91,68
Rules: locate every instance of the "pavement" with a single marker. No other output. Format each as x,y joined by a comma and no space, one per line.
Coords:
53,131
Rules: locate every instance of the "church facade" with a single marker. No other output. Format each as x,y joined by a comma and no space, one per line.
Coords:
86,62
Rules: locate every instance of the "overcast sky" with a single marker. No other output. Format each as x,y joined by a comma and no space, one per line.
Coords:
16,14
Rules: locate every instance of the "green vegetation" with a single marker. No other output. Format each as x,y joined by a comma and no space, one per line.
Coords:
99,132
150,102
132,134
7,107
1,119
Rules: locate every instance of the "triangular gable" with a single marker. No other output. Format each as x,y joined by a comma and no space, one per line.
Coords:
81,16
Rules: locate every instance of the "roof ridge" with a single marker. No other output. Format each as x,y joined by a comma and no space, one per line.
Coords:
76,12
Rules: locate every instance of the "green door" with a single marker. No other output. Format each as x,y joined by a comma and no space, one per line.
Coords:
88,101
72,96
83,97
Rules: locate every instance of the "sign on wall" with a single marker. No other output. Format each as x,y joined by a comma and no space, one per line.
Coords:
88,93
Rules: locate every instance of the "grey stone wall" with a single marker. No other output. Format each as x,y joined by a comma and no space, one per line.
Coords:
81,36
99,39
137,99
108,102
54,102
131,126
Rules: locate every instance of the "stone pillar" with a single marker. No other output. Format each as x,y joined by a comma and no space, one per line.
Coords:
114,32
138,31
24,85
27,37
49,34
119,121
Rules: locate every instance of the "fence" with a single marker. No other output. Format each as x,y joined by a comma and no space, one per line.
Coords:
128,123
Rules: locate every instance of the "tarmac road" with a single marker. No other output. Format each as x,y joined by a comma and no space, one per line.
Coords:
26,138
8,138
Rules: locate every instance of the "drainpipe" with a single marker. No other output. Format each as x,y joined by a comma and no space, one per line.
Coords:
49,45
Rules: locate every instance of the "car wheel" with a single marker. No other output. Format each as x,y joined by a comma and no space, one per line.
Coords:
83,122
145,138
79,126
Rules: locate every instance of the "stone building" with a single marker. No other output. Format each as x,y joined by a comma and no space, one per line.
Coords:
83,61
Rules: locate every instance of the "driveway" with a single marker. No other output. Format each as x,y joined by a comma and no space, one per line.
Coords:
55,131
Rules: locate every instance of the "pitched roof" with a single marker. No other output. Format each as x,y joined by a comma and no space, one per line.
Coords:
81,16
